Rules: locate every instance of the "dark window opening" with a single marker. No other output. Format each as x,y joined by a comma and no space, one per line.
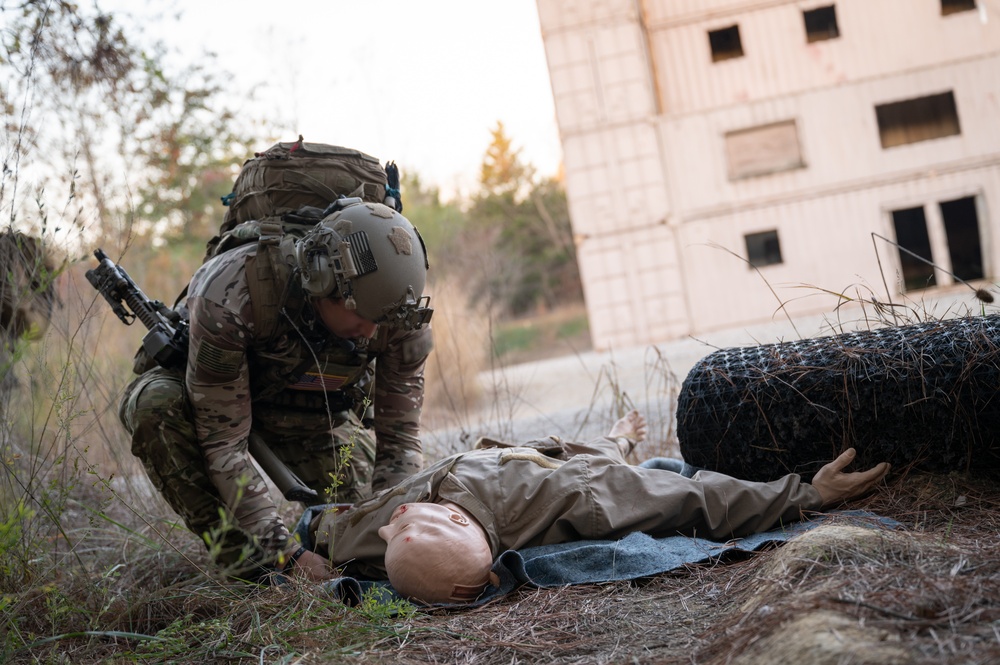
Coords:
821,23
961,226
911,234
725,43
955,6
763,249
920,119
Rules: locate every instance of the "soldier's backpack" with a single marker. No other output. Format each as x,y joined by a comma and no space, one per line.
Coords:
285,190
288,176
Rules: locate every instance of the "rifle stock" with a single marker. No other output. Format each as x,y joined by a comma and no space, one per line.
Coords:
290,485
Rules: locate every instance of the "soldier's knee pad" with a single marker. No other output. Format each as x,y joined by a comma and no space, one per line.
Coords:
157,412
157,392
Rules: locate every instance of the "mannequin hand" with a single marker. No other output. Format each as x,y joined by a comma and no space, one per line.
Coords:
310,566
835,486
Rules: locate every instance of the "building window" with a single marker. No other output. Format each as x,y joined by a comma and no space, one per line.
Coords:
764,149
914,244
821,23
763,249
962,241
955,6
725,43
961,229
920,119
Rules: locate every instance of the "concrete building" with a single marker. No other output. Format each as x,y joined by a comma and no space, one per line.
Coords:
703,136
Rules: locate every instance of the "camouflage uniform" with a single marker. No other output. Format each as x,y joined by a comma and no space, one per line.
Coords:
26,297
190,428
549,491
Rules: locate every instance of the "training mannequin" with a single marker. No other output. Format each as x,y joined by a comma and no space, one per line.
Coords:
435,536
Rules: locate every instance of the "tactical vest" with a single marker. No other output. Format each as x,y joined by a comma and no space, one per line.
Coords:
291,346
294,360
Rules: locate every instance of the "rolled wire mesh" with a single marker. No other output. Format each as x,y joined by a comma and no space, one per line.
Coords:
926,395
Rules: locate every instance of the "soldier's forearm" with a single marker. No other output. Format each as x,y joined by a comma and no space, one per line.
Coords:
396,465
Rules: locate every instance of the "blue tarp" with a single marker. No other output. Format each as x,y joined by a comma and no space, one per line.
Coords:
635,556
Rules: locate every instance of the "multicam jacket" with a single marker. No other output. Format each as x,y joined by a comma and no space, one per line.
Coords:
231,366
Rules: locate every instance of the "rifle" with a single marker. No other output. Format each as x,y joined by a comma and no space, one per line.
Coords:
167,339
167,343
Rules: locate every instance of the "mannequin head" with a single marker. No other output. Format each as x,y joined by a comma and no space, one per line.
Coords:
436,553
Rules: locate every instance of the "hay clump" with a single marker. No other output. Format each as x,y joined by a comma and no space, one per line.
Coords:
842,593
826,638
834,547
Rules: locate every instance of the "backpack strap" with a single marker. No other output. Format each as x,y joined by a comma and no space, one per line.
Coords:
310,183
366,190
266,290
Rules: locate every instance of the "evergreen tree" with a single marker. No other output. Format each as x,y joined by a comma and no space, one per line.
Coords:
522,225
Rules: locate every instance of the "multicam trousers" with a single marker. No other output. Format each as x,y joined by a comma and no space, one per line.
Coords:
157,412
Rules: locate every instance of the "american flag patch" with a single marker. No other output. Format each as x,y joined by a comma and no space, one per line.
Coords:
317,381
361,253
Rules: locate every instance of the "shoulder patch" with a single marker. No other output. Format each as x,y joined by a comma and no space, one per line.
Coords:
218,361
529,456
418,346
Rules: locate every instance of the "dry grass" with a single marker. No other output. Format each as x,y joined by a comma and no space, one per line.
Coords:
927,593
94,569
451,376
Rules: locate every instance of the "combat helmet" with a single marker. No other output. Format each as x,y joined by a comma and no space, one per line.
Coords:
370,256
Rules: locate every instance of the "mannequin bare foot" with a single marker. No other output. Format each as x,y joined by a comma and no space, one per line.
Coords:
632,428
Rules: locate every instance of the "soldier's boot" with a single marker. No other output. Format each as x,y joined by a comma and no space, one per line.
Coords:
156,411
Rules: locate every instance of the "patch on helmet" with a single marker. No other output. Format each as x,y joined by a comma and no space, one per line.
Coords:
218,361
361,253
381,210
401,240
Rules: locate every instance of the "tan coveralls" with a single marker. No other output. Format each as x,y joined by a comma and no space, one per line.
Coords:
523,496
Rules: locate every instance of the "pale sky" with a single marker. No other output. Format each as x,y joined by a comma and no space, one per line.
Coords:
421,82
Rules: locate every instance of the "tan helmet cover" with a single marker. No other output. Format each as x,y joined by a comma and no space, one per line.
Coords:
373,258
436,553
